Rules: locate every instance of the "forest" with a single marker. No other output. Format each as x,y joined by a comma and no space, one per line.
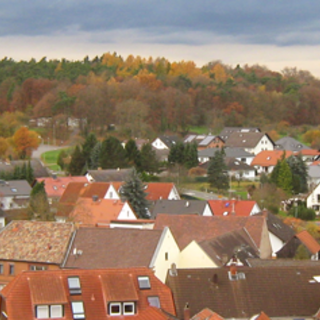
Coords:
145,97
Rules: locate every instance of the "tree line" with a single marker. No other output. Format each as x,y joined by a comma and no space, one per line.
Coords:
148,96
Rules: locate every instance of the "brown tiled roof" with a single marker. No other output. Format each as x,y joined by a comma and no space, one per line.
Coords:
95,293
279,292
95,189
55,187
35,241
110,175
309,241
186,228
112,248
207,314
244,139
282,263
239,207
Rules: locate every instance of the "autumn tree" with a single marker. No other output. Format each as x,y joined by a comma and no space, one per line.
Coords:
25,141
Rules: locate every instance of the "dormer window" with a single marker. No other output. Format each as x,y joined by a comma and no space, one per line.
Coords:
77,310
128,308
115,309
49,311
144,282
74,285
121,308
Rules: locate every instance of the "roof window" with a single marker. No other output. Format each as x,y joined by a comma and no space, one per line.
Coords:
74,285
77,310
154,301
144,282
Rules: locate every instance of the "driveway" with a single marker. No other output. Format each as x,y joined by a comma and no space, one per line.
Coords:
36,154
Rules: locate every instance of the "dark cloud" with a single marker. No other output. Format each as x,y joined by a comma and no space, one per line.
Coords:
276,22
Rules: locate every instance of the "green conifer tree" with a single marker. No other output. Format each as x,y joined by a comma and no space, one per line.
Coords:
77,162
148,159
133,191
112,154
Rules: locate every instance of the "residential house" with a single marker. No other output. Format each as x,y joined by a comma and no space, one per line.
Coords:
211,142
38,168
290,144
235,245
205,314
133,294
96,211
187,228
244,292
239,170
253,142
265,161
313,198
181,207
32,245
279,232
165,142
313,176
234,207
14,194
303,243
108,175
55,186
230,152
96,248
194,138
227,131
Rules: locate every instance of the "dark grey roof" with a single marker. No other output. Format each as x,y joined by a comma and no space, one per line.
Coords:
39,170
231,152
277,227
169,140
14,188
313,171
289,143
236,165
235,243
278,291
179,207
109,175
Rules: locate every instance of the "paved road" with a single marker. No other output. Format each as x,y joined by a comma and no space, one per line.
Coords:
44,148
201,195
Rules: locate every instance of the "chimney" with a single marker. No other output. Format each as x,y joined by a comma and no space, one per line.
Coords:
233,212
95,198
186,312
187,204
215,279
173,271
54,176
233,270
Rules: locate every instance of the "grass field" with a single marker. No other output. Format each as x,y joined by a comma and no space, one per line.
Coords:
50,158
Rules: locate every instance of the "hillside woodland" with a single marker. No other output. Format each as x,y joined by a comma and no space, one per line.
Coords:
145,97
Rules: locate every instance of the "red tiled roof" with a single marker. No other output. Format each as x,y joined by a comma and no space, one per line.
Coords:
158,190
186,228
268,158
95,293
38,241
239,207
55,187
309,241
262,316
88,211
207,314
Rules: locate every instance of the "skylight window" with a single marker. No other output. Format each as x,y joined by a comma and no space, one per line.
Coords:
154,301
77,310
14,190
144,282
74,285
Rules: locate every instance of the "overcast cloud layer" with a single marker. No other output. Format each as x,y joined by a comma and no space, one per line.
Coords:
287,31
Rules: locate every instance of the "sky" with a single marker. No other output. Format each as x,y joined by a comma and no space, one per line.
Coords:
275,33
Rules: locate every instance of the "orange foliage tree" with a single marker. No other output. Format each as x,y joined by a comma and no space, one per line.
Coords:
25,141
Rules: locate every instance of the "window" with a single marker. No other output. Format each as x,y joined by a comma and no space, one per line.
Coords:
318,197
74,285
115,308
144,282
166,256
37,268
11,269
154,301
128,308
1,268
56,311
42,312
77,310
110,194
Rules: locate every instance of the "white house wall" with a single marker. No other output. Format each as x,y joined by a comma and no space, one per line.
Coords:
193,256
276,243
112,193
255,209
158,144
263,144
126,213
167,253
207,211
174,194
312,200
